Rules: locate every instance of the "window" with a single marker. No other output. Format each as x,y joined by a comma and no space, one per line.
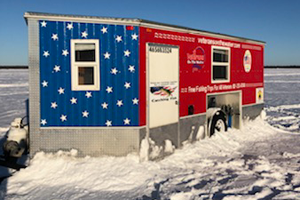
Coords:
86,76
220,64
85,66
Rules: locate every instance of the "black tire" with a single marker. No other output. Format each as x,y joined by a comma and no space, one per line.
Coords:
218,123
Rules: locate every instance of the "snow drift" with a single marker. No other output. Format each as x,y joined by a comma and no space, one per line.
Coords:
231,165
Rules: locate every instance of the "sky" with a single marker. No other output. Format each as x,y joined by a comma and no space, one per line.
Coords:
277,22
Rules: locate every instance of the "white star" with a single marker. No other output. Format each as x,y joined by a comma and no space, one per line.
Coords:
126,121
54,37
109,89
104,30
104,105
70,26
63,118
127,85
53,105
84,34
114,71
106,55
119,103
56,68
45,84
88,94
135,101
61,90
134,36
65,52
119,38
131,68
43,122
85,113
73,100
44,24
108,123
127,53
46,54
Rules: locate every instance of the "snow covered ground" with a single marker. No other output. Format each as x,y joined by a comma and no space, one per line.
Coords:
259,161
13,93
283,98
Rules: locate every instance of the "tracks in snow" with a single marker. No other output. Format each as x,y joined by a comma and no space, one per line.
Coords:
261,170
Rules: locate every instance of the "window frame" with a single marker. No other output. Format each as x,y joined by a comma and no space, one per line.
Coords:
76,64
227,64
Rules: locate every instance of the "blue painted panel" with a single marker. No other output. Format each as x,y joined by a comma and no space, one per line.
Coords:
55,37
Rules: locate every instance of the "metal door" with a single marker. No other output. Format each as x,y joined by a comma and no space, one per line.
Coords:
163,84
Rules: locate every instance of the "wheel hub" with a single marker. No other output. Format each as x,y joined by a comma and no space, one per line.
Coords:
220,126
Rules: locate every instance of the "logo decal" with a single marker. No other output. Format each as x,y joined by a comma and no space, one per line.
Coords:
259,95
247,61
163,91
197,58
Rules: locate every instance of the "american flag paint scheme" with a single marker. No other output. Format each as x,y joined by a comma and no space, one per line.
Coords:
121,100
134,79
117,101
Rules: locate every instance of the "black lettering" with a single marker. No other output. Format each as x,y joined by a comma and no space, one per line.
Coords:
160,49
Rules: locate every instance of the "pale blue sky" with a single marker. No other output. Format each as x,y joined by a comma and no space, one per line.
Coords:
276,22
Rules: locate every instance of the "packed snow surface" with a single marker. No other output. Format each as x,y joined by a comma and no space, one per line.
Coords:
239,164
282,96
259,161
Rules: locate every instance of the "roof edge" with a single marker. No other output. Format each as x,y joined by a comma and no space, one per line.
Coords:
86,17
136,21
215,34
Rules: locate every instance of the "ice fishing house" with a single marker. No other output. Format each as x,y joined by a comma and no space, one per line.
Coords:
101,85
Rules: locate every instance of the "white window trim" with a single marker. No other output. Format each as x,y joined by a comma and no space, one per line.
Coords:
75,65
220,64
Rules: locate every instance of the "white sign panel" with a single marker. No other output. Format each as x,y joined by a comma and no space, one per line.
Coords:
163,69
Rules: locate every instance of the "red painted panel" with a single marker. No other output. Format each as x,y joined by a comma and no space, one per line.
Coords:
142,77
195,79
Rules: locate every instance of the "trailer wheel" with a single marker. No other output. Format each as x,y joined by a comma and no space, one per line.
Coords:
218,123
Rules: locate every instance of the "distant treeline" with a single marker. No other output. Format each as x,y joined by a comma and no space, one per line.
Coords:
282,66
13,67
26,67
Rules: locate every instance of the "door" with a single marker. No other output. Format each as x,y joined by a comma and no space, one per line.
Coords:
163,77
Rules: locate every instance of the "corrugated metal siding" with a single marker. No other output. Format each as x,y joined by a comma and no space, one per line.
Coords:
107,43
34,86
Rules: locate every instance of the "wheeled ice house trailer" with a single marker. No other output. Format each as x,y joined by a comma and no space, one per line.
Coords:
101,85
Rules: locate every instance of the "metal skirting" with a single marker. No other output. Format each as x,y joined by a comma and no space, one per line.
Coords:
92,142
162,133
252,111
189,127
177,133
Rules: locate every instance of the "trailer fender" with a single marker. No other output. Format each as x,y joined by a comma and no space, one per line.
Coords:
216,120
